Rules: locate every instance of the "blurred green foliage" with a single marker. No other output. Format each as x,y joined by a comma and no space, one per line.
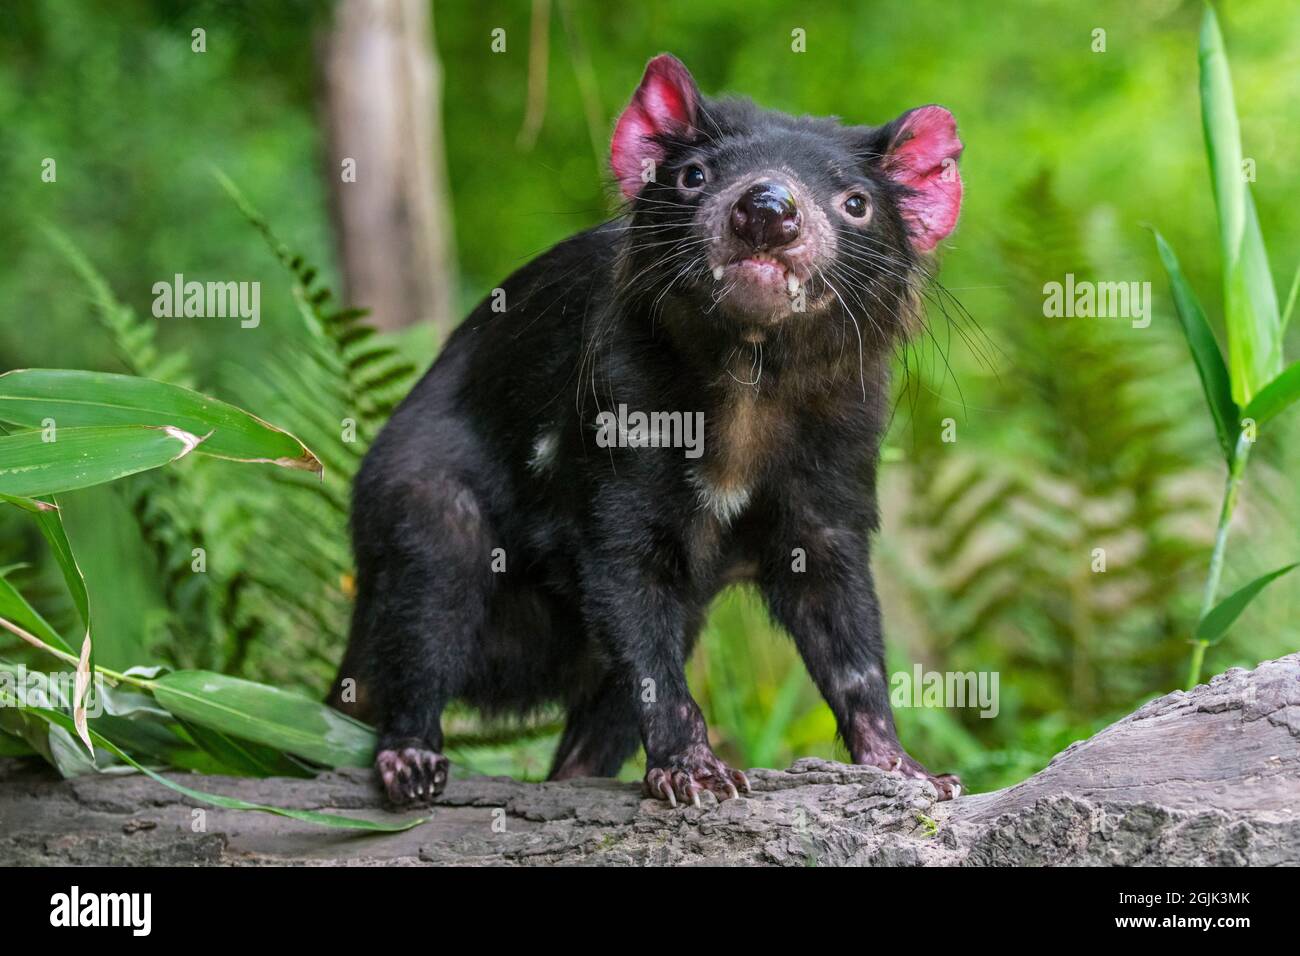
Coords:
1062,426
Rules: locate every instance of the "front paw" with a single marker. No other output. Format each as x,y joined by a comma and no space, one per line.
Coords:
683,777
895,759
411,774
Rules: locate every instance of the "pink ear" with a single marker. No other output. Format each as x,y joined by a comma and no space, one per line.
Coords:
923,157
665,102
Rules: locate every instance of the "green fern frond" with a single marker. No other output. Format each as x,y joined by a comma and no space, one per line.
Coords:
374,378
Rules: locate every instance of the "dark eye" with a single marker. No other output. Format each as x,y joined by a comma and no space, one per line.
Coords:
692,177
856,206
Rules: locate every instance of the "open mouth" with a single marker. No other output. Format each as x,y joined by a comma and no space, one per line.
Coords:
761,271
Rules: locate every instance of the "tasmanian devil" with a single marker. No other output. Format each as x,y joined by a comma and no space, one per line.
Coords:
537,523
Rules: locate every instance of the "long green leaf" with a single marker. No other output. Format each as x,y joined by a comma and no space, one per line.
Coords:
1261,305
49,518
82,457
14,745
266,715
227,803
1215,624
156,742
1289,309
242,756
59,755
35,733
74,398
1250,300
1275,396
1205,351
30,505
14,607
50,521
134,721
1222,136
60,748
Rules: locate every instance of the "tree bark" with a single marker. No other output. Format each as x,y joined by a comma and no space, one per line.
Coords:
1210,776
382,101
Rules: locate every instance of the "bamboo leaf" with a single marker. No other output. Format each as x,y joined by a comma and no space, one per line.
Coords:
1290,301
64,655
81,688
1250,300
157,741
52,526
242,756
1260,309
33,732
266,715
82,457
14,745
1205,351
75,398
30,505
1275,396
1222,136
14,608
57,745
1215,624
50,520
56,718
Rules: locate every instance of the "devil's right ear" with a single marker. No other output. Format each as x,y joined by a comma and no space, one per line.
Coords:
665,103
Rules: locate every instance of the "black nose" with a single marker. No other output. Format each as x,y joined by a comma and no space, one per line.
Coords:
766,217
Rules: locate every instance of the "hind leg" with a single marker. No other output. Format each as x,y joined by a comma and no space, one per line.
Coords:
428,583
600,734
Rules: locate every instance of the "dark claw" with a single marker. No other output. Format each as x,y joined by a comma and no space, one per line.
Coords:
687,789
892,759
411,774
687,776
659,786
948,785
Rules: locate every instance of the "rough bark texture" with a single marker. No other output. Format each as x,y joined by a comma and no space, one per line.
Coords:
1207,777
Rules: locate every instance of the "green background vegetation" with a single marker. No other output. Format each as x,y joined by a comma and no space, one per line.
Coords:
1072,434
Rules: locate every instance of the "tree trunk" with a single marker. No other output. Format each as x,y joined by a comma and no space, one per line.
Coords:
382,100
1206,777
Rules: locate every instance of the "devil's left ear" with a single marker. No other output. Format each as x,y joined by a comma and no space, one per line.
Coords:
919,150
664,104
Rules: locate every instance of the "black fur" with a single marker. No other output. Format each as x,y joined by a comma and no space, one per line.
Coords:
612,555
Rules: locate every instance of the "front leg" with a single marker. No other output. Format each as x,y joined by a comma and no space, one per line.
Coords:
680,770
643,612
830,609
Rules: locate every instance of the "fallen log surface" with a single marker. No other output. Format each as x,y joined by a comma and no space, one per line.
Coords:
1210,776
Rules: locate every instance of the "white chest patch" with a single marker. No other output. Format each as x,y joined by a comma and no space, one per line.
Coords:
726,503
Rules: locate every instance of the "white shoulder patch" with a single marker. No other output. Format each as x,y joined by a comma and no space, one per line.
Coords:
545,449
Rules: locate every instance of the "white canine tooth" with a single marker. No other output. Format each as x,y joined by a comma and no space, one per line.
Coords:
717,273
792,282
